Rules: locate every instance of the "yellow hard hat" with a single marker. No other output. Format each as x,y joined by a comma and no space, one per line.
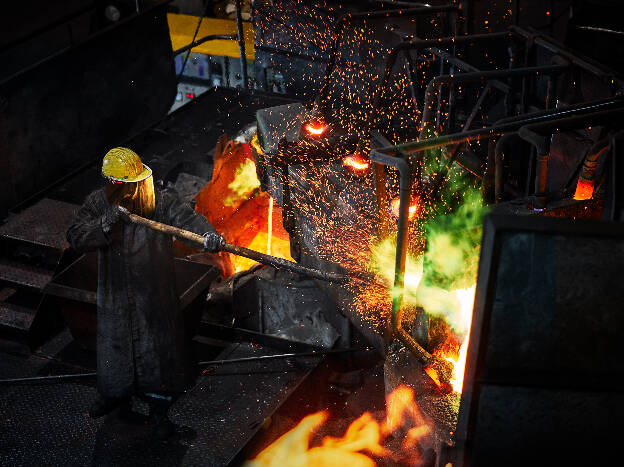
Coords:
124,165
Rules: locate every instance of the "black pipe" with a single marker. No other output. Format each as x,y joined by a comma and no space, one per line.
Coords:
510,124
539,135
454,152
502,146
241,44
477,77
370,15
417,45
571,56
318,353
405,192
588,172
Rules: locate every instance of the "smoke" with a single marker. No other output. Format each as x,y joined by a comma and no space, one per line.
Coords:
452,230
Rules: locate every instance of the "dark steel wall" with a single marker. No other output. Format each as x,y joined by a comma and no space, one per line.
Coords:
70,109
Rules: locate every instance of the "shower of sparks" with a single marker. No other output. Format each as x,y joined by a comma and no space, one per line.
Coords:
342,218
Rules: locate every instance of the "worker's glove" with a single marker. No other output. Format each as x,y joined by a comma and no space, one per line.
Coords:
213,242
112,216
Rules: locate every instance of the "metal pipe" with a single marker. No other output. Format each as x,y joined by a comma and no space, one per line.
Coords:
46,378
405,193
539,135
432,87
319,353
502,145
241,44
588,172
394,328
454,152
331,65
572,57
507,125
417,45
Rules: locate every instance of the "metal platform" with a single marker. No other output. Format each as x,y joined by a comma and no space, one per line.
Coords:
43,223
47,423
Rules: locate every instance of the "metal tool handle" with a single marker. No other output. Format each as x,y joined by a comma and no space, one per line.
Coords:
236,250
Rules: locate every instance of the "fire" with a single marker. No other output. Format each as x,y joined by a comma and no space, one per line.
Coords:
466,300
415,208
235,206
364,437
356,162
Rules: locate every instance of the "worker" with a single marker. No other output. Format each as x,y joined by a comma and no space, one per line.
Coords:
140,332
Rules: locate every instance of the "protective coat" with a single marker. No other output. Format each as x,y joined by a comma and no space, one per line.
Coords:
140,332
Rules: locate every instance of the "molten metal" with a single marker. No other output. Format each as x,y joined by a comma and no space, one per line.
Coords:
356,162
315,128
584,189
415,208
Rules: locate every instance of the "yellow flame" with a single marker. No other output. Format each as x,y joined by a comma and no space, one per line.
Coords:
363,436
244,183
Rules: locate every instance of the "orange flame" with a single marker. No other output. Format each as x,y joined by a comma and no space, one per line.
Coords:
363,435
356,162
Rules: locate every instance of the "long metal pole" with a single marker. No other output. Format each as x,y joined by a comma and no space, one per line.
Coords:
319,353
241,44
255,255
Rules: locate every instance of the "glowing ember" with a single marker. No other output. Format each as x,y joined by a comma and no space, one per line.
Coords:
415,208
584,189
315,128
364,436
356,162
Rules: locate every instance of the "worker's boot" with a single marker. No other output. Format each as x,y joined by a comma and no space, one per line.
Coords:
163,427
105,405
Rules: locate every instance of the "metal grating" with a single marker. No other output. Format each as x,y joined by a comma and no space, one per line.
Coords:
44,223
24,274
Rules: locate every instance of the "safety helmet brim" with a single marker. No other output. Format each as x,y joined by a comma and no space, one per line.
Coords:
147,172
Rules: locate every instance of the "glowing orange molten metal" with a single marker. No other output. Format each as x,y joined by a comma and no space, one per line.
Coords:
316,128
414,210
364,435
584,189
356,162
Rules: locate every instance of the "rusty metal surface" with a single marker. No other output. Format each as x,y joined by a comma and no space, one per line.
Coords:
24,274
44,223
